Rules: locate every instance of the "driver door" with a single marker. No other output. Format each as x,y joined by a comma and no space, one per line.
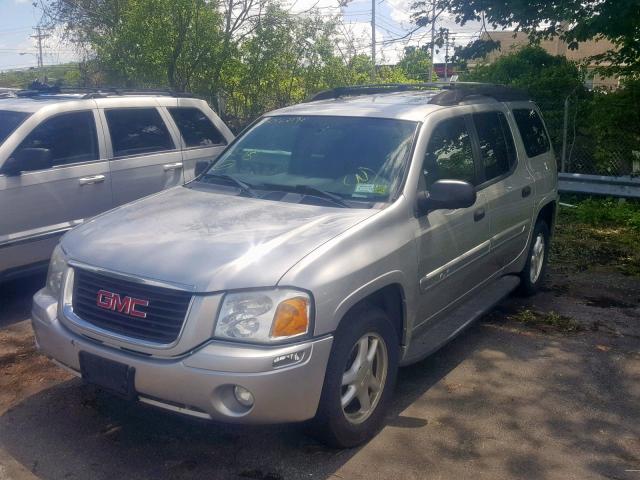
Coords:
453,245
36,207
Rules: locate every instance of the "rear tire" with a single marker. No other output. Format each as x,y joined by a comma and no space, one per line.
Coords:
363,364
532,276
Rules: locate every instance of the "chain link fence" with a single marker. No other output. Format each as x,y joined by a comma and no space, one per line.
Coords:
580,133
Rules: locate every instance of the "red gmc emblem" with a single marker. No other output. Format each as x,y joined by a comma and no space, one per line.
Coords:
127,305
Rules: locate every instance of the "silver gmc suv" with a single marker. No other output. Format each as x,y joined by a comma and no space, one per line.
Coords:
329,244
68,156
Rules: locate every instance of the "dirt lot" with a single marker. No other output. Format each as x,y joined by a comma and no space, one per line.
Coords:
547,387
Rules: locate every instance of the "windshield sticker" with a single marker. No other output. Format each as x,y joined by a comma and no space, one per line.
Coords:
371,188
364,188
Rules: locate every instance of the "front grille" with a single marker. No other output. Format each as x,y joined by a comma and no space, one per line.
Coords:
165,312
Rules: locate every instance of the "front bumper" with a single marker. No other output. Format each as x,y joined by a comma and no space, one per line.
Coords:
200,383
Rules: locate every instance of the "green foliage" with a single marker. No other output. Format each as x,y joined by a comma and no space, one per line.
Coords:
610,120
547,321
549,79
65,74
477,49
415,63
607,212
545,76
243,57
599,234
574,20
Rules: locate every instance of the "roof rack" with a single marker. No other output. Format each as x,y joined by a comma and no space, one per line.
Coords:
444,93
36,90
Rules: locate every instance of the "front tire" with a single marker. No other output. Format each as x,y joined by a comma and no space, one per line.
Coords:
532,276
359,380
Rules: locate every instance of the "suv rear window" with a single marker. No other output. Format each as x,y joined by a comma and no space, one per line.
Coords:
196,128
9,121
71,138
496,144
532,131
137,131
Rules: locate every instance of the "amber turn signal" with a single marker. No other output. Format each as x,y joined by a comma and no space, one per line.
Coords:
292,318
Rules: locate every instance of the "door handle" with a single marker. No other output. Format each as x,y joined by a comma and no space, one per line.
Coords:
91,180
172,166
526,191
478,215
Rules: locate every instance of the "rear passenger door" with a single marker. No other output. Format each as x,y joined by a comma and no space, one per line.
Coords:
203,135
144,153
506,184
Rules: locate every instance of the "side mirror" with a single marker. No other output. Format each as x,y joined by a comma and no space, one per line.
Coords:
447,194
28,159
201,167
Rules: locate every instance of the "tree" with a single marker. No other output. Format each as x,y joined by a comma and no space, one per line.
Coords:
415,63
143,42
573,20
549,79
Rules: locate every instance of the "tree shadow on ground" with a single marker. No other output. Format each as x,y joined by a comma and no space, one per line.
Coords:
495,400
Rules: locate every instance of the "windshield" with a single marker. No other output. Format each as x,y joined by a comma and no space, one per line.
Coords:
9,121
356,159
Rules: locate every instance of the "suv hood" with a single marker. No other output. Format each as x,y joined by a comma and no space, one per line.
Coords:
205,240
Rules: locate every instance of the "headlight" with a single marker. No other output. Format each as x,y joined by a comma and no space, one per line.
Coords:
57,267
267,316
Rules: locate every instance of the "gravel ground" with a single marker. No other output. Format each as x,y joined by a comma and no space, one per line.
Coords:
542,388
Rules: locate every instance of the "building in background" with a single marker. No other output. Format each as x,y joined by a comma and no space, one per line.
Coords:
512,41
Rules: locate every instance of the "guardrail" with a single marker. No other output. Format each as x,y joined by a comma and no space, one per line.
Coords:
625,186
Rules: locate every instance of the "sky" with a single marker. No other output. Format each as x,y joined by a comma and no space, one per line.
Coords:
19,17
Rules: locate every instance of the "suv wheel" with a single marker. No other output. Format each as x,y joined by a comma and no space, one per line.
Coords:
534,270
359,380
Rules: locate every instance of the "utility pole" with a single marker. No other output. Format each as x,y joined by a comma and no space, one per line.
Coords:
373,40
446,55
433,40
39,37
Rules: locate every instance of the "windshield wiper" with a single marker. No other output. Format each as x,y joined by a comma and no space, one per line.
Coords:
244,187
306,190
317,192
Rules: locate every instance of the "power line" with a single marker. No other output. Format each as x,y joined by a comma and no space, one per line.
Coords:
39,37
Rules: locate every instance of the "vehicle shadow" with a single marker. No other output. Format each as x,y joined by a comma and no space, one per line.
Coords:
75,431
15,298
102,436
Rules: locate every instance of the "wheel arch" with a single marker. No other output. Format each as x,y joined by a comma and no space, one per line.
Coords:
385,292
548,213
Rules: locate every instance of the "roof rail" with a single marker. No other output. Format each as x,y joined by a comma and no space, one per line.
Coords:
444,93
97,92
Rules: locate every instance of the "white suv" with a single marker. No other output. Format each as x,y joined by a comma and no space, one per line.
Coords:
66,157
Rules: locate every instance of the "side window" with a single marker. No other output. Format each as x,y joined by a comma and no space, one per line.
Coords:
136,131
532,131
196,128
449,154
70,137
496,143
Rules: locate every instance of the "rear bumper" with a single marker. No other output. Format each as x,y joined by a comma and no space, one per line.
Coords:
200,383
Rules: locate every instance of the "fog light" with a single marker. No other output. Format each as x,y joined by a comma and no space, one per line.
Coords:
243,396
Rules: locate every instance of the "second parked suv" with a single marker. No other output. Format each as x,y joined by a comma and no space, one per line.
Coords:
66,157
331,243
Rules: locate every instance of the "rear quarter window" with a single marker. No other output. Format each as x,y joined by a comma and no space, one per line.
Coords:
534,136
196,128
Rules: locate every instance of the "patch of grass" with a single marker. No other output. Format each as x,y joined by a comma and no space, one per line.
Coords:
598,233
547,321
